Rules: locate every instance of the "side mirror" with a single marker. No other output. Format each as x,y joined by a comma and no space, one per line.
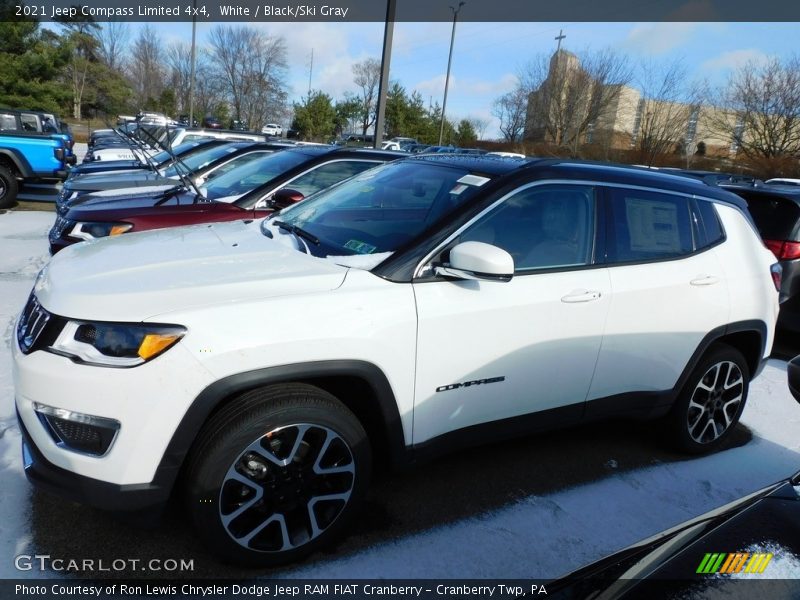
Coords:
285,197
478,261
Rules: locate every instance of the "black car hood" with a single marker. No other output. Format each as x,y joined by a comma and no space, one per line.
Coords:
111,165
90,203
92,182
671,560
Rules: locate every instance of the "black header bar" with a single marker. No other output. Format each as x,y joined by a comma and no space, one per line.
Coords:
336,11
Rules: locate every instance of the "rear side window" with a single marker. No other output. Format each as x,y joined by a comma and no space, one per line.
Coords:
648,226
776,218
8,122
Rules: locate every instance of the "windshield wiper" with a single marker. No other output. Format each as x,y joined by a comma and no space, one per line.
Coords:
297,231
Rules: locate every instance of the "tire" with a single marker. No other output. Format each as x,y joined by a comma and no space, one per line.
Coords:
277,474
8,187
711,401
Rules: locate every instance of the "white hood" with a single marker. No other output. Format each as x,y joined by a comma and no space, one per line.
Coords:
140,275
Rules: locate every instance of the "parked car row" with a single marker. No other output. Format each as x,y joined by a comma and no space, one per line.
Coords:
228,182
332,310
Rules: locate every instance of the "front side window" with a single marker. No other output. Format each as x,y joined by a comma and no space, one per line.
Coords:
648,226
30,122
542,227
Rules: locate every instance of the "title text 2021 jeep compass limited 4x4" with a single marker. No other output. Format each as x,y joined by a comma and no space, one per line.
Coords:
420,306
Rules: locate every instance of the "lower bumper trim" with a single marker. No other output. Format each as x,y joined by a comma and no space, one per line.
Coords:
85,490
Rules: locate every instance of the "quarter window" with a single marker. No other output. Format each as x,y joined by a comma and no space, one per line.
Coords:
542,227
709,226
648,226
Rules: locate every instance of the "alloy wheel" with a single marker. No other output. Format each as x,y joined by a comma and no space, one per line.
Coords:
715,402
287,487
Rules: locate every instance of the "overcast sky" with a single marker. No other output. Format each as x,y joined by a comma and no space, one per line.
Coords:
487,56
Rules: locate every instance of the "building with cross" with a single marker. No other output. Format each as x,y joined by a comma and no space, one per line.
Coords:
571,109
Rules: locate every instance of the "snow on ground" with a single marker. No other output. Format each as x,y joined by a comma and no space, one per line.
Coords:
538,537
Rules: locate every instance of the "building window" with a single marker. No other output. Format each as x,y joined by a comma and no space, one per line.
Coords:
637,122
738,132
691,127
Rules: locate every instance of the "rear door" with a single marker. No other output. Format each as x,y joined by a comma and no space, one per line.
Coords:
669,291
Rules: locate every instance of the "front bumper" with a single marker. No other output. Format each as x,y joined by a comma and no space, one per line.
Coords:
101,494
148,401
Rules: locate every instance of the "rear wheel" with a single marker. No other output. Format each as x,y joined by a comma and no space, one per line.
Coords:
277,474
711,402
8,187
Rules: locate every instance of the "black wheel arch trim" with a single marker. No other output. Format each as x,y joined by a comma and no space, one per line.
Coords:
212,396
654,404
19,161
717,334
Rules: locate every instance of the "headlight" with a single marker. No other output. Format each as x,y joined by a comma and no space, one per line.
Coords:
115,344
91,231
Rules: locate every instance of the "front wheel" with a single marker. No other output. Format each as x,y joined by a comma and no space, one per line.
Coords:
8,187
711,402
277,474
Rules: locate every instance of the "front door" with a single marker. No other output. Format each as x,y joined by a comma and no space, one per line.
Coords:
490,350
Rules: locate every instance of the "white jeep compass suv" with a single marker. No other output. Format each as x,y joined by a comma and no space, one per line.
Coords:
421,306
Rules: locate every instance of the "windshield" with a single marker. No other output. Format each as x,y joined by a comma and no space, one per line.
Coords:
253,174
198,160
377,212
164,157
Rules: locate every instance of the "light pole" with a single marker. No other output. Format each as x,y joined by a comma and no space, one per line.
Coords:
449,61
191,76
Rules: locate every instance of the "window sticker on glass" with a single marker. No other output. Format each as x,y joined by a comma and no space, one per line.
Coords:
458,189
653,224
360,247
475,180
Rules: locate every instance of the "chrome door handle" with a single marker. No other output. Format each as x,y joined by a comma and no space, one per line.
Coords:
581,296
704,280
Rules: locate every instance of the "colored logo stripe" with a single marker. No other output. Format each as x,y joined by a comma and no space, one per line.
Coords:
758,563
728,563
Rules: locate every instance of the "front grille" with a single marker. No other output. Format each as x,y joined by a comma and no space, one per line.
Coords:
61,202
32,322
57,229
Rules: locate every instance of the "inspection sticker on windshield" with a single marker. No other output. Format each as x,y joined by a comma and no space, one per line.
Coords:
475,180
360,247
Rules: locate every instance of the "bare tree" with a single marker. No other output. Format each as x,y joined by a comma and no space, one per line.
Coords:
146,66
113,40
760,109
510,110
665,110
179,61
253,66
569,95
479,124
367,75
